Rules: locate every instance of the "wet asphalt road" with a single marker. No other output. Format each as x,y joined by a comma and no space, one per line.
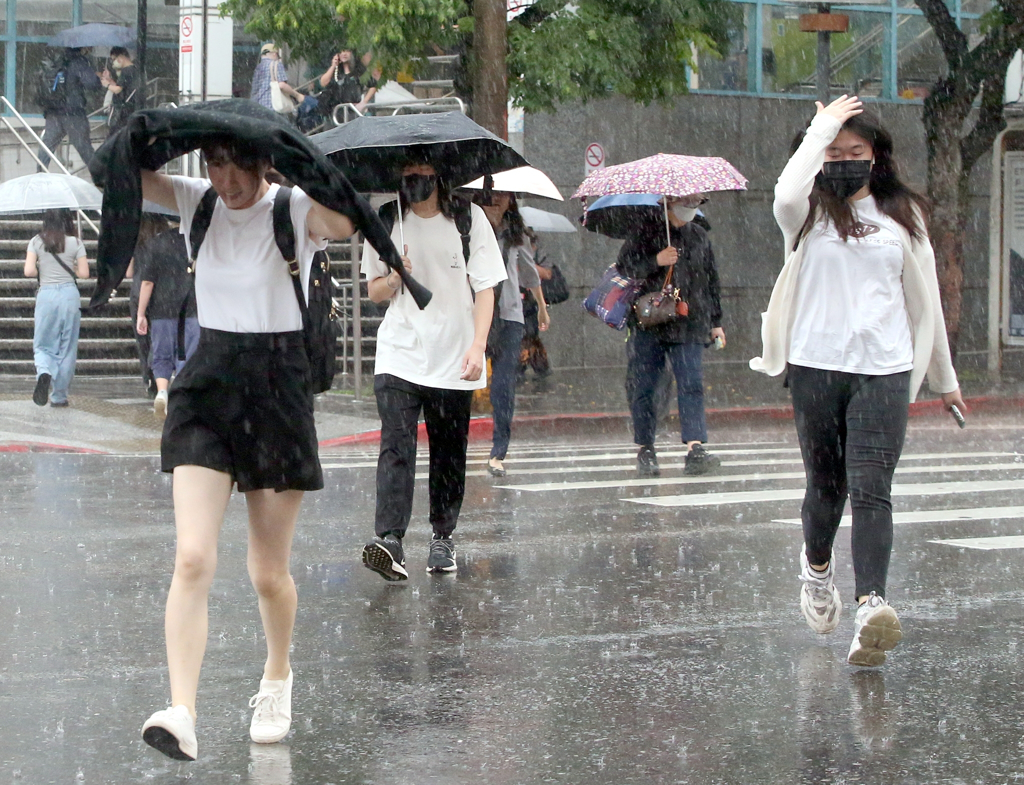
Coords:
590,636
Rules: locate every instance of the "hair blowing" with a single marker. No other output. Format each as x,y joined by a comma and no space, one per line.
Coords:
894,198
57,226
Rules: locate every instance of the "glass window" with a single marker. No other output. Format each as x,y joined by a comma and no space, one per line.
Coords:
789,56
975,6
42,17
920,61
731,71
857,55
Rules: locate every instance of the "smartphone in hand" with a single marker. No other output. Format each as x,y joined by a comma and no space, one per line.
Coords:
958,416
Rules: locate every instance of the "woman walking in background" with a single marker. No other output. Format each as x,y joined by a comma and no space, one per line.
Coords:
855,317
56,256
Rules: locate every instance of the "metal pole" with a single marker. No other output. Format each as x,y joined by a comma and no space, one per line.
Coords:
357,320
140,53
206,19
823,73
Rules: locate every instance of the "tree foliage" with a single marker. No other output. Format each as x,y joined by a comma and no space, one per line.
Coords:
558,51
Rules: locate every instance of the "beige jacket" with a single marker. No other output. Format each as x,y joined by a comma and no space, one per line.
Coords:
920,283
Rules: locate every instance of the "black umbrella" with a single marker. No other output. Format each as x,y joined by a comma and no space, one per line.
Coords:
372,150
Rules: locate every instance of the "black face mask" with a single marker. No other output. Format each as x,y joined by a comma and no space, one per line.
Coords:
843,178
417,187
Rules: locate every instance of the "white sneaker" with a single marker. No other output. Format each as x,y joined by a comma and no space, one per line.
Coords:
172,732
160,404
819,597
272,715
877,631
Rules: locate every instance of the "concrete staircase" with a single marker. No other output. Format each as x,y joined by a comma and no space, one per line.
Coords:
107,345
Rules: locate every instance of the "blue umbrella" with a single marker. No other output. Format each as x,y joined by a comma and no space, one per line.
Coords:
618,215
94,34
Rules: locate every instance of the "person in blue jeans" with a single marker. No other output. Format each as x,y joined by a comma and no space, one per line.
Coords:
686,259
56,257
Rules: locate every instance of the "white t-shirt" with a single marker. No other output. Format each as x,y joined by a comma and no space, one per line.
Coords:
426,347
851,312
242,281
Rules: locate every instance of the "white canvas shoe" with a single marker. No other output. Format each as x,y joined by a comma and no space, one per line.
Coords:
160,405
819,597
272,711
172,732
877,631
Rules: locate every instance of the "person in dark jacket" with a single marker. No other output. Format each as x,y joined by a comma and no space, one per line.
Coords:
646,256
71,119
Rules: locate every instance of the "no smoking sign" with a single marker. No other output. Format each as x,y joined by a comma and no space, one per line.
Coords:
593,158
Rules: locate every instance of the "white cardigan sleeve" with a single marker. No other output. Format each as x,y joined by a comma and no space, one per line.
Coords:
940,372
797,179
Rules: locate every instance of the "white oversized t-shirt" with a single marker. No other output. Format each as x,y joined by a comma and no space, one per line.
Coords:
242,281
851,312
426,347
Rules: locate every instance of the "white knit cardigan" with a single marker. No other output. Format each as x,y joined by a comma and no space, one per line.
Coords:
920,283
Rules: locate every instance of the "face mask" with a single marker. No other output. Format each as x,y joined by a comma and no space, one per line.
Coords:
843,178
684,214
417,187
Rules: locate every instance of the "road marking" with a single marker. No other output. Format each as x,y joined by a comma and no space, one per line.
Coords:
718,478
792,494
985,543
935,516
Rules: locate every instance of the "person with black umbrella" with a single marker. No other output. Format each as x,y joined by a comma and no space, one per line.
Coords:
429,360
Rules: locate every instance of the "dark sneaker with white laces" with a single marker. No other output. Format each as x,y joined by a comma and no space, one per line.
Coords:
442,555
647,462
700,461
386,558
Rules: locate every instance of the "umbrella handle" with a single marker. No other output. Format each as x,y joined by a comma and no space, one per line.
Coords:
668,226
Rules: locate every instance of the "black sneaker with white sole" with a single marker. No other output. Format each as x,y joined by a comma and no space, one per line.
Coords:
384,555
442,555
42,390
700,461
647,462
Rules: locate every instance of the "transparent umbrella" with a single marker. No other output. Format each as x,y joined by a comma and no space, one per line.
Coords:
36,193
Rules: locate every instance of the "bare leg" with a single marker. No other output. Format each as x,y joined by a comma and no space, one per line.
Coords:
272,518
200,498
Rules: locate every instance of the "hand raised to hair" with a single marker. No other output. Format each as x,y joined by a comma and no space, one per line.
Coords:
843,108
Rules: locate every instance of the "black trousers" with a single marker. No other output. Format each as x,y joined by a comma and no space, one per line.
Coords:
446,413
851,429
75,127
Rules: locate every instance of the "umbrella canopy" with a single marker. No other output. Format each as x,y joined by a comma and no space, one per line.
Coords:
94,34
521,180
543,221
36,193
618,216
666,175
372,150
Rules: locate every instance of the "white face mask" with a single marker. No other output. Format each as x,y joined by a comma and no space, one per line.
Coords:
684,214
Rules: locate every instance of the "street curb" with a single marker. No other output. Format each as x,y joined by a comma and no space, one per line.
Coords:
480,428
43,447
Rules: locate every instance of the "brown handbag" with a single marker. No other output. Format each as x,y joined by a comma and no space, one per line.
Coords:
660,307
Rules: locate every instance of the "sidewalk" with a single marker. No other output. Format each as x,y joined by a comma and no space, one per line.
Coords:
113,414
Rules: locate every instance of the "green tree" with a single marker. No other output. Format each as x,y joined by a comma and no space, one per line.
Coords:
962,116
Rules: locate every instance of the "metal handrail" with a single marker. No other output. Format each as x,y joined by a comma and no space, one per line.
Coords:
443,104
82,216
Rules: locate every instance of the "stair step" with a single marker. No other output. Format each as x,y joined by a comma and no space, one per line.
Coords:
98,367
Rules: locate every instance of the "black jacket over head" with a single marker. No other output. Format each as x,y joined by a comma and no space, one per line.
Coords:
695,275
153,137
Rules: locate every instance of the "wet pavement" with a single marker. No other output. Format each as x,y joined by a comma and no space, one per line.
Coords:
600,629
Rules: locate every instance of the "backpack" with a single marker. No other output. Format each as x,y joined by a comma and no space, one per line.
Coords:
319,317
52,84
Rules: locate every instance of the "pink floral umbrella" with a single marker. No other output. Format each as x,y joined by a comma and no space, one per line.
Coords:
665,174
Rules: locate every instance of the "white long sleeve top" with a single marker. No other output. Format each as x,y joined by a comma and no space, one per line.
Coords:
920,282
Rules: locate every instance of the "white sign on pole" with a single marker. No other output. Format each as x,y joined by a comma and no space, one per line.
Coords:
1013,249
593,158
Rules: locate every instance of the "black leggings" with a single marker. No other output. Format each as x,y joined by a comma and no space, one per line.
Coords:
851,429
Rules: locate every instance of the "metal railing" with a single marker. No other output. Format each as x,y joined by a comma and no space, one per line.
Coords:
448,103
53,157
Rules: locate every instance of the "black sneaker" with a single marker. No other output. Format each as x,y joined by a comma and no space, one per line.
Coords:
42,390
700,461
647,462
386,557
442,555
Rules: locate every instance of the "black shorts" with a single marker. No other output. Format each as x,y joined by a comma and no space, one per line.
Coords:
242,405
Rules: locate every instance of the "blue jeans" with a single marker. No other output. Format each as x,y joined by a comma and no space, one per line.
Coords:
163,357
646,357
58,318
503,383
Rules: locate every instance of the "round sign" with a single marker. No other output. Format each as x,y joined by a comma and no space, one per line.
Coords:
186,26
594,156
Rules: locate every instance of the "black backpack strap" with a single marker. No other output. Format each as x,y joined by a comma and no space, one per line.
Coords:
284,236
201,223
388,214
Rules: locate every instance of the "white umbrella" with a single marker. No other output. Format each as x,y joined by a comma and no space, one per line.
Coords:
522,180
543,221
35,193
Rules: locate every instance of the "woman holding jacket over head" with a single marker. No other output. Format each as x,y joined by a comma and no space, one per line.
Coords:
856,320
686,261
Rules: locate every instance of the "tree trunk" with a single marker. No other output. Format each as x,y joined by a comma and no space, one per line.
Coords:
944,120
490,78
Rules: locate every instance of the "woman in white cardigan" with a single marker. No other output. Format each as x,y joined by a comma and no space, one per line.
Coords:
856,322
